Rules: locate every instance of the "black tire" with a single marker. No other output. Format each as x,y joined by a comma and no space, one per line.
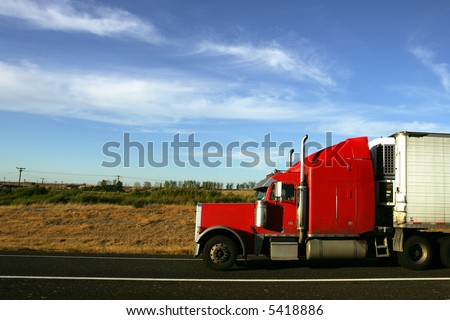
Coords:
417,253
220,253
445,251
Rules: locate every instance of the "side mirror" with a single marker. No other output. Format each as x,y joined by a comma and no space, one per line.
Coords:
279,191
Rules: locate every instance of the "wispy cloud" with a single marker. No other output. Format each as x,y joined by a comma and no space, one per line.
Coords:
66,15
89,17
126,99
427,57
275,58
165,100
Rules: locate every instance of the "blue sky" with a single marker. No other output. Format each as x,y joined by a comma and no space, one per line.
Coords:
76,75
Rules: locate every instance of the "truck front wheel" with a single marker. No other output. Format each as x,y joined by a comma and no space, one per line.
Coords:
417,253
220,253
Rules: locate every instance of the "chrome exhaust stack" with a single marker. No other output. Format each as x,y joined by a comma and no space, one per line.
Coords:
291,152
302,195
302,159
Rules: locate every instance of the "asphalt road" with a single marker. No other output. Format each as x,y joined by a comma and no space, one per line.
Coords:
49,276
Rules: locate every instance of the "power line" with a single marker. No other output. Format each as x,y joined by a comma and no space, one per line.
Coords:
111,176
93,175
72,174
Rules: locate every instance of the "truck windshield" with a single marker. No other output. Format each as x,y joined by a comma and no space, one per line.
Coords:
261,193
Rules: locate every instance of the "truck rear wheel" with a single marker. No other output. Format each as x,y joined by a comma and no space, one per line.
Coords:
445,251
417,253
220,253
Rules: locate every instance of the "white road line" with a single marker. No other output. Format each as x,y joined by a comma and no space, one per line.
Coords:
220,280
96,257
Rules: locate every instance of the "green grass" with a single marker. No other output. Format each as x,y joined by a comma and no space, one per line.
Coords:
137,198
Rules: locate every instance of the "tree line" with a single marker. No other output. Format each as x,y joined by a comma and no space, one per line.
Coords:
116,185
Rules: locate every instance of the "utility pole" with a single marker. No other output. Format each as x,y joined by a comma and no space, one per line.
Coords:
20,173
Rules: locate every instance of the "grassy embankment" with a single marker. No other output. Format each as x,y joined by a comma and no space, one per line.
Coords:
143,222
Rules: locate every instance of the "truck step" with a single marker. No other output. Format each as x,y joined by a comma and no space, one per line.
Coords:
382,250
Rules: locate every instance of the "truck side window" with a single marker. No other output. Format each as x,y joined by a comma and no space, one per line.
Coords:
288,192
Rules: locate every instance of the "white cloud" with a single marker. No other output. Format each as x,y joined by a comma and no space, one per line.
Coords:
441,70
66,15
124,99
162,100
87,17
275,59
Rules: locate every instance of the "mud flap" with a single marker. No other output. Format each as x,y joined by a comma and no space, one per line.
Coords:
397,241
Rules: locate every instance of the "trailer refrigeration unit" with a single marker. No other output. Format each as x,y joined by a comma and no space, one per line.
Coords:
352,200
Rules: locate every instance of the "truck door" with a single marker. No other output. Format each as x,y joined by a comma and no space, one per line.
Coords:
281,216
345,207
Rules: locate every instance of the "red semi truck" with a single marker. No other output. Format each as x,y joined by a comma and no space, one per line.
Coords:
352,200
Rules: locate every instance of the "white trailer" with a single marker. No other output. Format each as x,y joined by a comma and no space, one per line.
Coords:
422,180
412,175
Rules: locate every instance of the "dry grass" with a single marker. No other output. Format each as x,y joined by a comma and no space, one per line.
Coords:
100,228
243,193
